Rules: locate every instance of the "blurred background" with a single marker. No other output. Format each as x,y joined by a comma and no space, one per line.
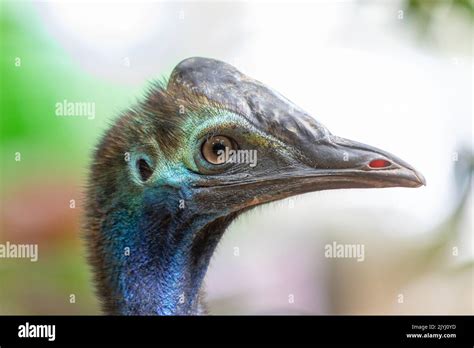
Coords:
393,74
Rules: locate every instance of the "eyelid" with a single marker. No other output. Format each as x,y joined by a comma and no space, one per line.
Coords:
212,131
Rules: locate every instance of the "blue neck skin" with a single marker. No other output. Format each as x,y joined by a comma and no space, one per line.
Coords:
158,254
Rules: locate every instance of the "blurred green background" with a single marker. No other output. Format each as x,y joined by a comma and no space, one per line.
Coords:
44,61
36,73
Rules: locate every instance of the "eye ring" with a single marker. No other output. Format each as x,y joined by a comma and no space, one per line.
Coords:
215,148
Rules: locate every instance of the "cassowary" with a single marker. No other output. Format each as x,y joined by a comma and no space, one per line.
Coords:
176,169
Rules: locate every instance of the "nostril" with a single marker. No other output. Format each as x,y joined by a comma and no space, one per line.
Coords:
379,163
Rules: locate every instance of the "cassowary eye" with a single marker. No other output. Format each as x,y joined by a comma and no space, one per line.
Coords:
144,169
214,148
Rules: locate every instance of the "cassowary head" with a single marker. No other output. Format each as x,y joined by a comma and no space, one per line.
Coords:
176,169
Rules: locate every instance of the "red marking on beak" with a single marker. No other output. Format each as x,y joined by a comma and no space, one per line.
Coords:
379,163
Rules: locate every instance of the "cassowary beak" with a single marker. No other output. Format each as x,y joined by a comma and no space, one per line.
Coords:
343,163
